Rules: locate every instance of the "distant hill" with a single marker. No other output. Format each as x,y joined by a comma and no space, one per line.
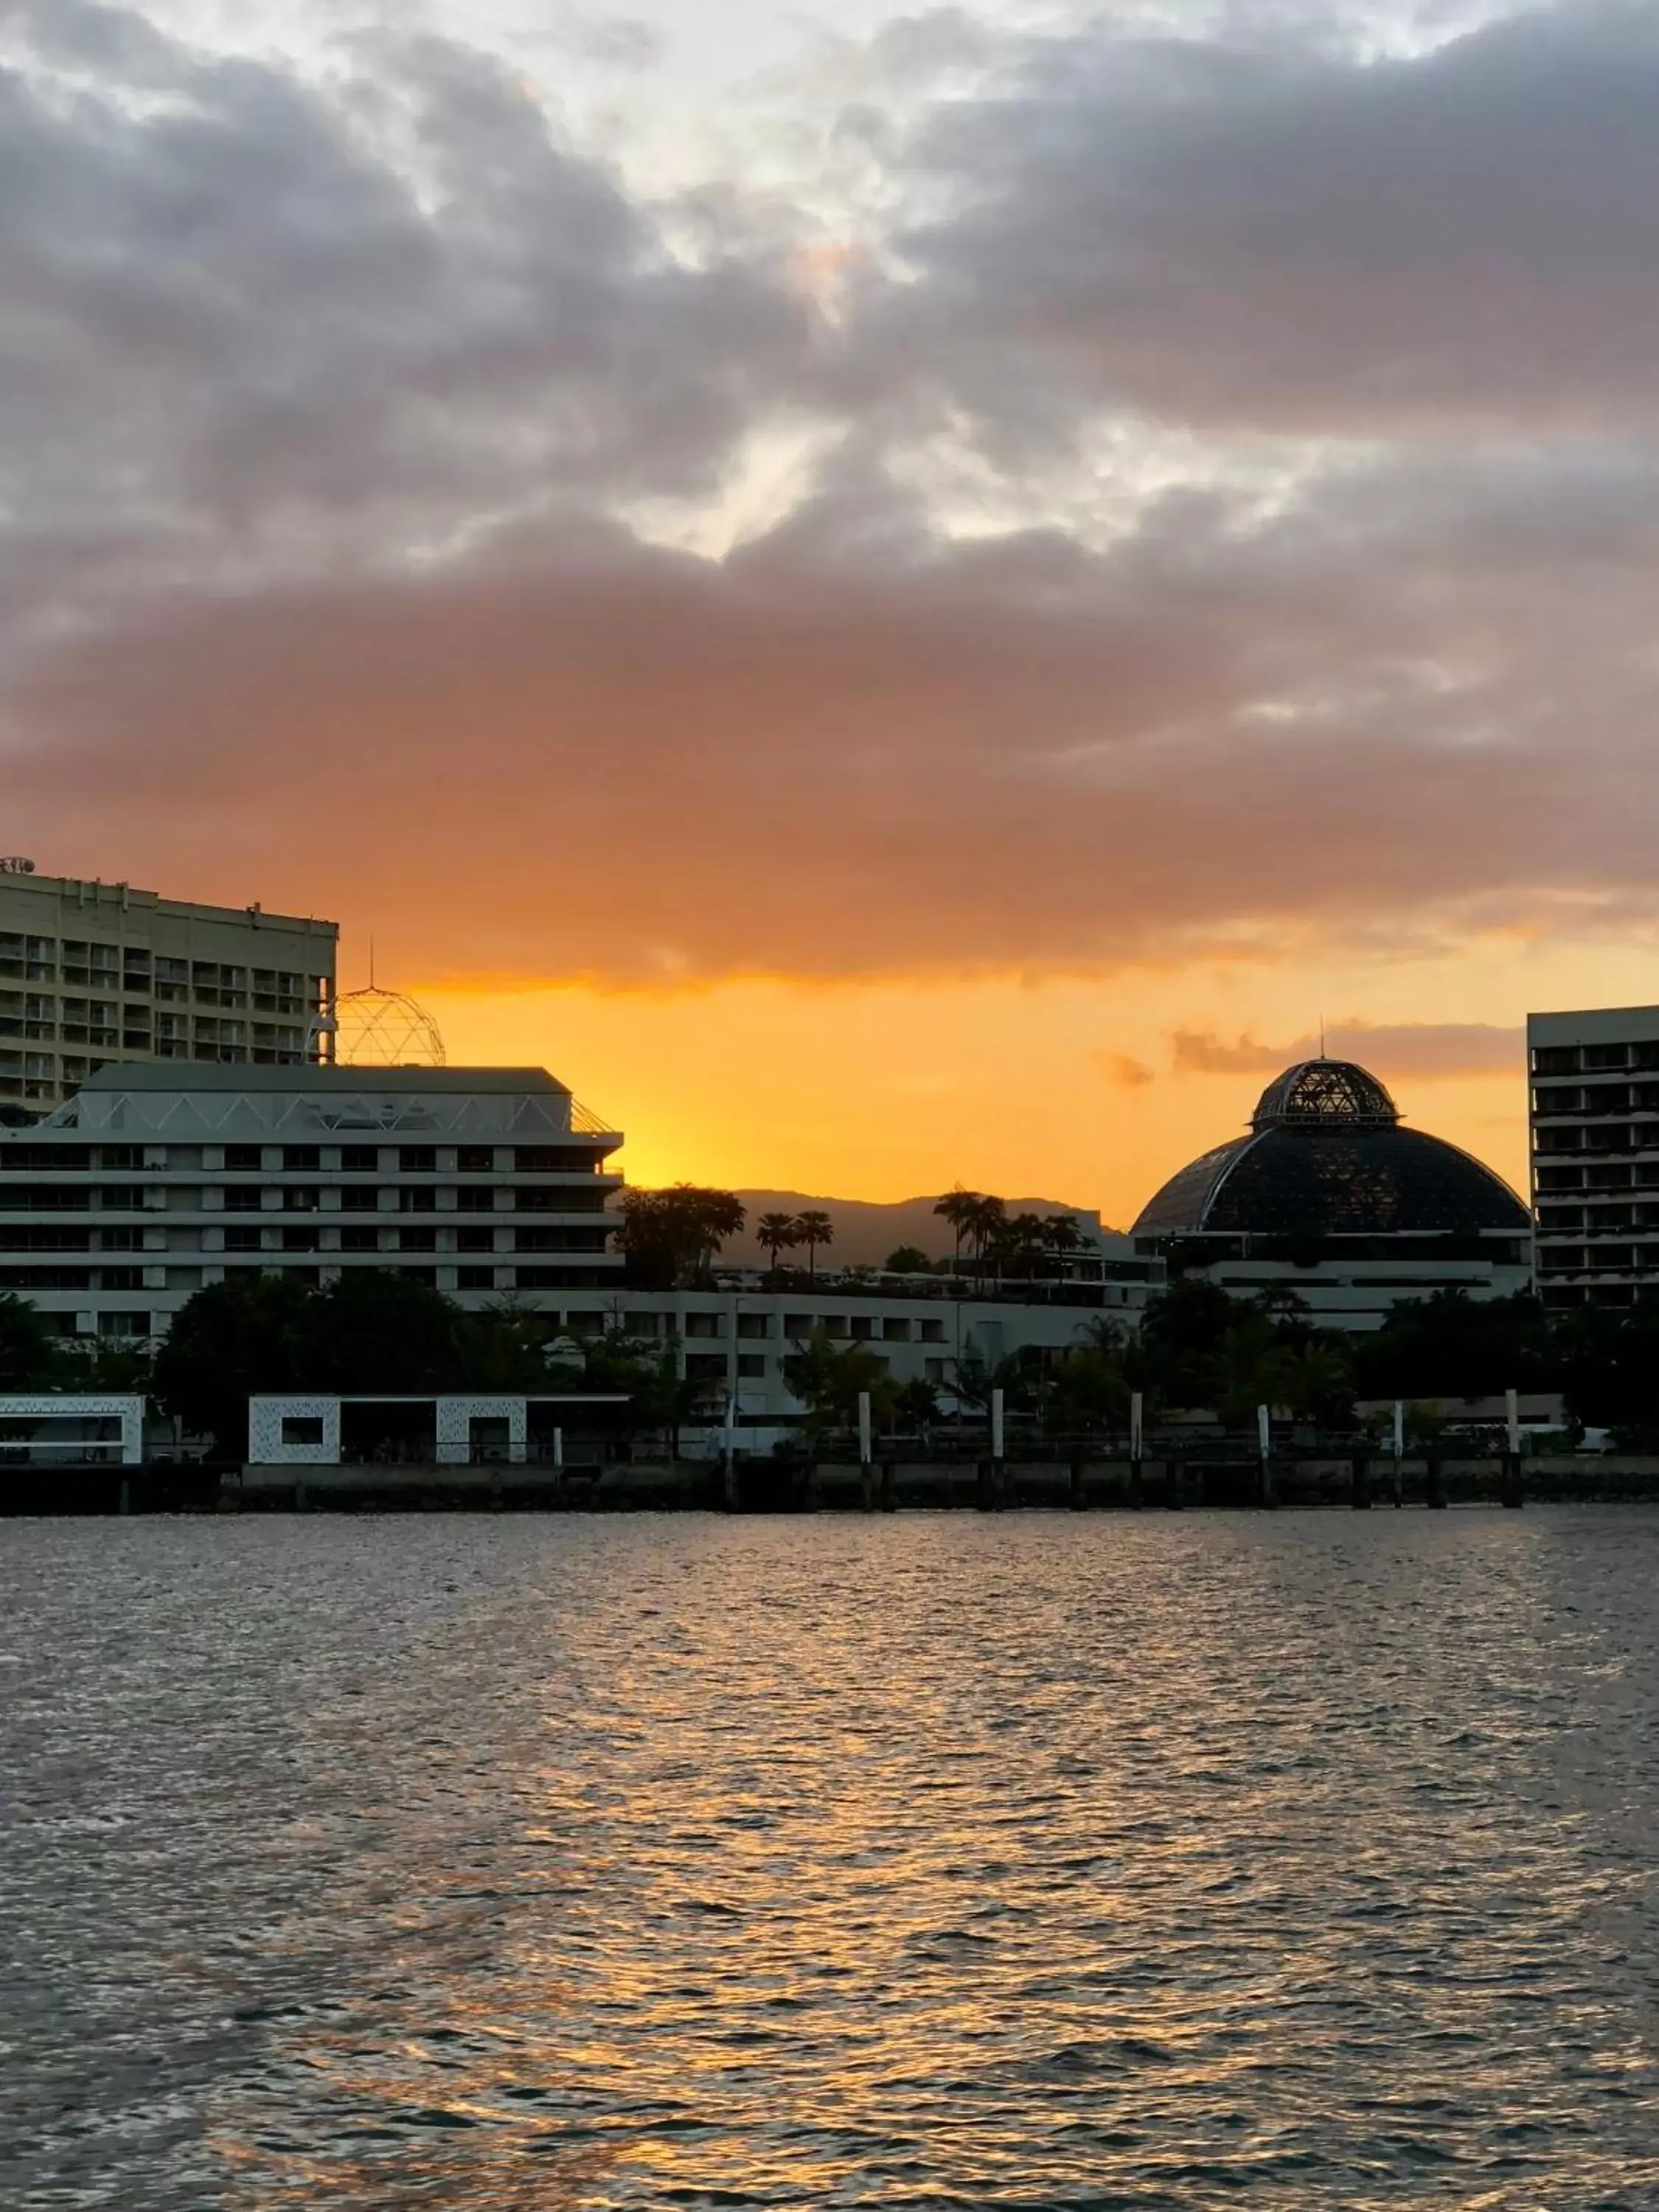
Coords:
867,1233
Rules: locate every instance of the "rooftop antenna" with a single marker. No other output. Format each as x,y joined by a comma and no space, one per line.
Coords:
1321,1036
371,963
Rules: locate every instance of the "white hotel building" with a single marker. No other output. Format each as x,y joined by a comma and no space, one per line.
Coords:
153,1181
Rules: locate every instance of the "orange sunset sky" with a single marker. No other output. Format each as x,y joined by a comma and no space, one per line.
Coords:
897,597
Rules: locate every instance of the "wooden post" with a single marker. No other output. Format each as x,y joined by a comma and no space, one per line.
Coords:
1510,1491
1264,1442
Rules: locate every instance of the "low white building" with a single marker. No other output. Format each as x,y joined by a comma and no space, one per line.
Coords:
153,1180
737,1341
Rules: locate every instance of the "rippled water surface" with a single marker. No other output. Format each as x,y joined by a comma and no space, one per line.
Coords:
1035,1861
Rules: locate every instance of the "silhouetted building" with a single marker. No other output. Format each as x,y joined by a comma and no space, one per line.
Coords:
1594,1124
1329,1195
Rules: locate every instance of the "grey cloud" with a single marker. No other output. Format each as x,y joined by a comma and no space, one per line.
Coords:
1260,229
318,407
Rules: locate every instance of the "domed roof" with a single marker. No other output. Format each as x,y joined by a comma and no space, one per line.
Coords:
1327,1154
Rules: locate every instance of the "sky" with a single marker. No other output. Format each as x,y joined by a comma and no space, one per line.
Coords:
901,596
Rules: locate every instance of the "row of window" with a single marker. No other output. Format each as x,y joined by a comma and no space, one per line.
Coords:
312,1159
1616,1136
1593,1059
1617,1176
294,1198
860,1329
410,1240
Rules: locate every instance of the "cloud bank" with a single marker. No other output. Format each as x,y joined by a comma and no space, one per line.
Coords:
1201,497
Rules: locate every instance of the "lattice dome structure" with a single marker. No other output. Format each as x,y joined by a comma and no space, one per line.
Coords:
376,1028
1326,1154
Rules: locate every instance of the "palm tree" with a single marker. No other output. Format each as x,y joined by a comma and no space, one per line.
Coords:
775,1233
957,1207
986,1216
812,1230
1062,1236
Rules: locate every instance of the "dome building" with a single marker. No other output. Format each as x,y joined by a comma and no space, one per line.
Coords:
1329,1195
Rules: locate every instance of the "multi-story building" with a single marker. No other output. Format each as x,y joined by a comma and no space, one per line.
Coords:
93,973
1594,1121
153,1181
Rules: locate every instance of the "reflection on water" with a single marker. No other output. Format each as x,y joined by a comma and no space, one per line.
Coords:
1034,1861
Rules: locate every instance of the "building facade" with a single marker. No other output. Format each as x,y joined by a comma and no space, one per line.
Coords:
1594,1129
154,1180
94,973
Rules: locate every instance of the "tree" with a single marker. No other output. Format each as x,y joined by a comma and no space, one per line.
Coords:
985,1217
828,1378
916,1405
909,1260
812,1230
671,1237
956,1208
380,1329
775,1233
250,1334
29,1355
1062,1236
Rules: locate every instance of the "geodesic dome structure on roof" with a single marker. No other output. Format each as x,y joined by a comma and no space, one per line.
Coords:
376,1028
1326,1153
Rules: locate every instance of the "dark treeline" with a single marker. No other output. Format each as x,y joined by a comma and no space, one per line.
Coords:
380,1331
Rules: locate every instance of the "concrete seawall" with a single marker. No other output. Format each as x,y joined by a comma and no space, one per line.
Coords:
797,1486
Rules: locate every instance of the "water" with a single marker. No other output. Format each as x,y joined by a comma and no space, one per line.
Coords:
1297,1862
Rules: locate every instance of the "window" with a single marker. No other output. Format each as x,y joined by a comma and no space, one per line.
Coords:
895,1331
302,1159
752,1325
933,1370
359,1198
360,1240
299,1240
418,1159
124,1324
124,1158
427,1275
243,1198
122,1197
301,1199
798,1324
704,1366
475,1197
302,1428
360,1159
121,1279
243,1158
474,1240
704,1324
417,1202
475,1159
417,1239
751,1364
474,1279
119,1240
242,1240
933,1332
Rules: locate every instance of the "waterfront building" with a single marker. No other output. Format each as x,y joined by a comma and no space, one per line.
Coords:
153,1180
1326,1195
93,975
1594,1128
737,1336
